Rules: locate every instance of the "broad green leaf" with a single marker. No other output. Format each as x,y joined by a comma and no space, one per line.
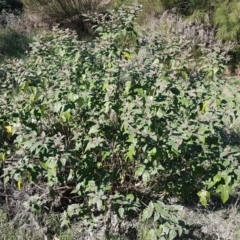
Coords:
121,212
57,106
218,101
77,56
65,223
94,129
228,179
127,87
80,102
156,216
204,197
180,230
185,75
93,143
158,207
63,161
73,97
67,115
99,205
165,228
51,168
155,62
151,235
225,191
172,234
139,171
147,213
153,151
39,71
202,139
90,145
237,172
145,177
62,52
131,152
2,156
130,197
70,210
32,98
217,178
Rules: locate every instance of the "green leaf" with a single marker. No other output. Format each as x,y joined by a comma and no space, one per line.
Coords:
204,197
80,102
70,210
94,129
151,235
57,106
139,171
77,56
237,172
172,234
73,97
180,230
185,75
130,197
99,204
121,212
145,214
225,191
218,101
158,207
2,157
65,223
156,216
62,52
67,115
93,143
51,168
127,87
145,177
217,178
131,152
148,212
202,139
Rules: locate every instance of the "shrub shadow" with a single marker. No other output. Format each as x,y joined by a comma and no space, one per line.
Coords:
12,43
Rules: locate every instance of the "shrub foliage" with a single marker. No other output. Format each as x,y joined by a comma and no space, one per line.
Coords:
118,124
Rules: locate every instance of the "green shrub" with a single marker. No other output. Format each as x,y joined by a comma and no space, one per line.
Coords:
117,124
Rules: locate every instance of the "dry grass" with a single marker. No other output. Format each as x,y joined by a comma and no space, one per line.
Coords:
220,224
61,11
215,224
